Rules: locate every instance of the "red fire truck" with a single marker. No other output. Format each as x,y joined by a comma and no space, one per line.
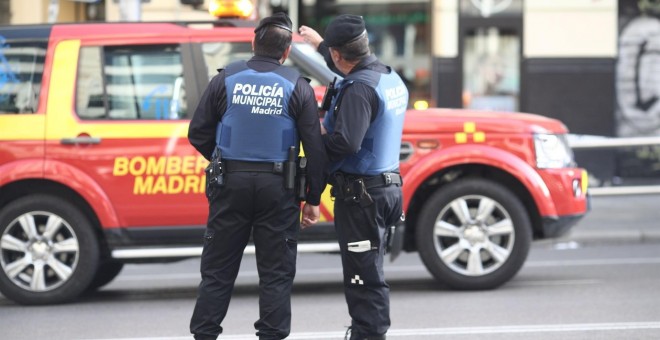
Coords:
96,170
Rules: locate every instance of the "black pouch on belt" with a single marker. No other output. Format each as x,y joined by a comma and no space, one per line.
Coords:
338,185
360,194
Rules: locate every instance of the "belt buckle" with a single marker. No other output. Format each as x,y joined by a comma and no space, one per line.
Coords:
388,178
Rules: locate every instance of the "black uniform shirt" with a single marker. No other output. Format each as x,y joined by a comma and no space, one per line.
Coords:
302,106
358,108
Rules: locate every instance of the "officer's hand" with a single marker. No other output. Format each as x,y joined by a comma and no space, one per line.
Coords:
310,215
311,36
323,130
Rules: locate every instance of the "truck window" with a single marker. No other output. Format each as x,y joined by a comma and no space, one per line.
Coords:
21,70
131,82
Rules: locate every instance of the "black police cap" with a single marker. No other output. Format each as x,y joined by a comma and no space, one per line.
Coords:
344,29
279,19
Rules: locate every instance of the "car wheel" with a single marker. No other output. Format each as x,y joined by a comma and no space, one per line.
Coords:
473,234
48,250
105,274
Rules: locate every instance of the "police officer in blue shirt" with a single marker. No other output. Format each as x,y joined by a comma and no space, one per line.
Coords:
249,122
363,128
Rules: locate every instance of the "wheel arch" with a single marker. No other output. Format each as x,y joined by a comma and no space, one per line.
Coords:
26,187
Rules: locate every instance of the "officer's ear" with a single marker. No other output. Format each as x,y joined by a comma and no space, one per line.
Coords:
285,55
335,55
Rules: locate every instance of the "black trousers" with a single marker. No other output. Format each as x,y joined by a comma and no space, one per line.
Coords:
365,289
256,203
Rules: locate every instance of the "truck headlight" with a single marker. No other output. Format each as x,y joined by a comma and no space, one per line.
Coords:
552,151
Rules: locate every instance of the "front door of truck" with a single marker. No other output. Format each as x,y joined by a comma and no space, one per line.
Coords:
128,129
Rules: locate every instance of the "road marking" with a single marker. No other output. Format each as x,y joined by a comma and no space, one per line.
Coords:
402,333
394,269
159,277
554,283
593,262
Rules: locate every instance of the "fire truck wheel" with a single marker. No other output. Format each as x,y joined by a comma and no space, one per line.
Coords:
48,250
106,272
473,234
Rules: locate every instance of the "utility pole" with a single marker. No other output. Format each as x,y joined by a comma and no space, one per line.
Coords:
5,13
130,10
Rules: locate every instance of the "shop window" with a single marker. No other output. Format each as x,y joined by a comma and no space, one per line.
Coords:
131,82
399,35
21,70
491,69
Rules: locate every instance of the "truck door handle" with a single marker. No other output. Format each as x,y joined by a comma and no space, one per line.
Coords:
80,140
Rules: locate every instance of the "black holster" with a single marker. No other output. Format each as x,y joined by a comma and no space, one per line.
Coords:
301,179
215,171
395,236
290,169
350,189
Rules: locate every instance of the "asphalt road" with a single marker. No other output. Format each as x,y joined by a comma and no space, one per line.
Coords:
574,288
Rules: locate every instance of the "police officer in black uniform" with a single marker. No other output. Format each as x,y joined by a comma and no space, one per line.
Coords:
249,122
363,127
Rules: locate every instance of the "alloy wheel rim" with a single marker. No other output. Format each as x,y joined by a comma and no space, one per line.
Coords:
39,251
473,235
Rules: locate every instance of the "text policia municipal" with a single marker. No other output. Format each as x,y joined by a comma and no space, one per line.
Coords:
264,99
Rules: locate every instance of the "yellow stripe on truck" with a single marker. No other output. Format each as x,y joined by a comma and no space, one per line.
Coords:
59,111
21,127
63,122
328,203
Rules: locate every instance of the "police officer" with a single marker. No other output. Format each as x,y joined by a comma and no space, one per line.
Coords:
248,119
363,127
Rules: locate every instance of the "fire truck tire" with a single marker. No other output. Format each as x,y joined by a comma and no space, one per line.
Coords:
473,234
48,250
106,272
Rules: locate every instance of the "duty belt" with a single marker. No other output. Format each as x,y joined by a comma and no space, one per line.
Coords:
244,166
382,180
